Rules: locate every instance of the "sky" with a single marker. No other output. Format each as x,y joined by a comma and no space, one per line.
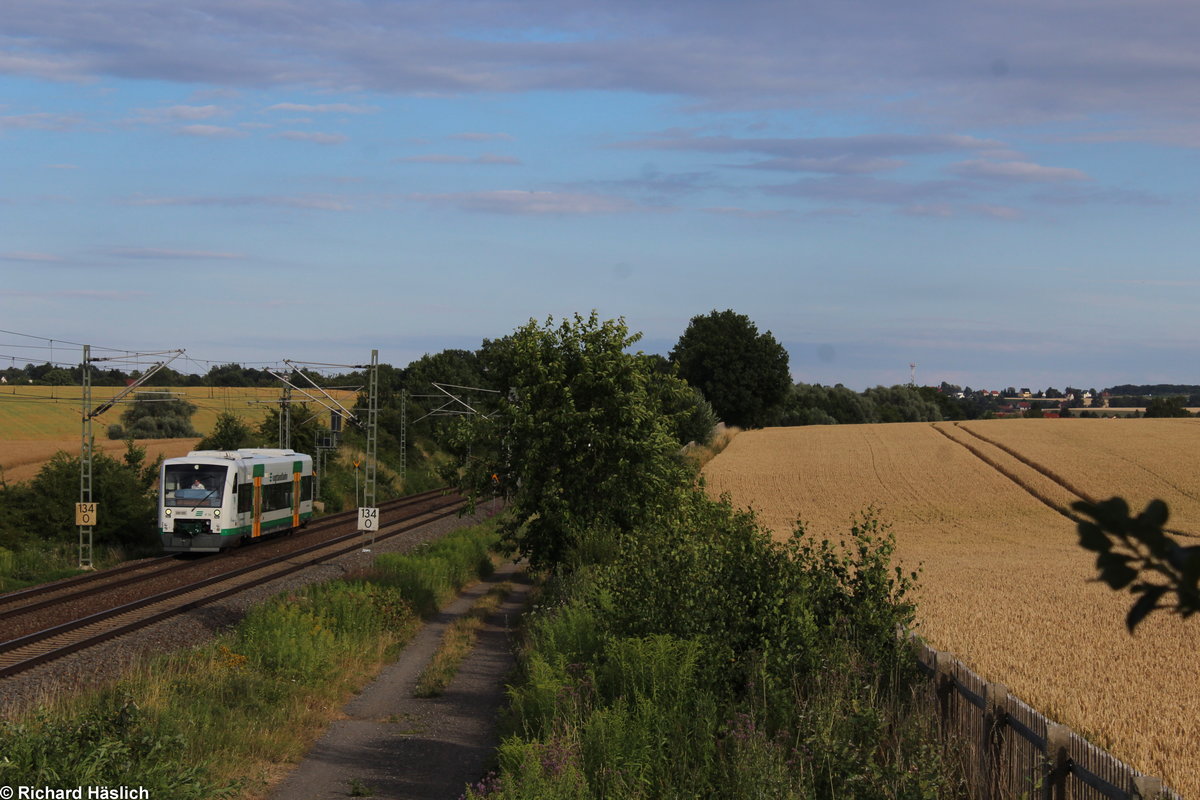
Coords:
1003,194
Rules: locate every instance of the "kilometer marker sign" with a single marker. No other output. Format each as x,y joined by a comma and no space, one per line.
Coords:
85,514
368,519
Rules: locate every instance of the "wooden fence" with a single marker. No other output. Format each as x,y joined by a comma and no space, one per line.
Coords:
1015,752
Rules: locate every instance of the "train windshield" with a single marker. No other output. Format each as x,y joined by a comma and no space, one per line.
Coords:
194,485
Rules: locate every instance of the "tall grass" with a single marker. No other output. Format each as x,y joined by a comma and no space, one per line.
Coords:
711,662
701,454
216,720
45,561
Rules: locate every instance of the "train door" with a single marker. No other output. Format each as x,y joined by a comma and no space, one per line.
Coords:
297,466
256,525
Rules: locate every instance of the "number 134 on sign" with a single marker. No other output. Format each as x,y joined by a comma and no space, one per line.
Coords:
368,519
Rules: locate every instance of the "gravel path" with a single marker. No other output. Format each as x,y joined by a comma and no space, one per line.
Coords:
99,665
393,745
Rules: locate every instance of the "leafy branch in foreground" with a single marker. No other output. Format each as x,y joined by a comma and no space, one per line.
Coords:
1132,551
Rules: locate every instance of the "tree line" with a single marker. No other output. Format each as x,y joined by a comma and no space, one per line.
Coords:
48,374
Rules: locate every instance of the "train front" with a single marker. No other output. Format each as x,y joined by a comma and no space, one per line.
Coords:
195,500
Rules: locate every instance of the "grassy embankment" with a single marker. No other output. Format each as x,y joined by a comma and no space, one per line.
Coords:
223,719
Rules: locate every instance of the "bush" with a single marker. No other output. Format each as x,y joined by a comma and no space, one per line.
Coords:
712,661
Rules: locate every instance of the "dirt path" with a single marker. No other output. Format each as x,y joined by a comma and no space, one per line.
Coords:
392,745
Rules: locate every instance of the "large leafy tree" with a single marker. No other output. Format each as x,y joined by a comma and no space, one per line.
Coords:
149,418
579,441
743,373
1167,407
229,433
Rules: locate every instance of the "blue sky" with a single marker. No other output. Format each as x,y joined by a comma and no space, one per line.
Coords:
1004,194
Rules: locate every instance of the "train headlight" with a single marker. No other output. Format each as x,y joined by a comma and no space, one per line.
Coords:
167,512
217,513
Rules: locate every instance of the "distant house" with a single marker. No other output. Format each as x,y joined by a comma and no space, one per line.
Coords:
1026,393
1024,406
1087,399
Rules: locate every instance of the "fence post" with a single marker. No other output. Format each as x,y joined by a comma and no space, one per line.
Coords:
1146,787
995,697
943,663
1058,761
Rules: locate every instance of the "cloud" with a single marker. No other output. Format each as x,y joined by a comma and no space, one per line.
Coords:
36,258
492,158
865,189
947,210
159,254
313,136
55,68
653,183
39,121
998,212
325,108
931,210
968,63
837,165
210,132
314,202
482,137
867,152
529,203
1086,195
178,113
747,213
442,158
1016,171
85,294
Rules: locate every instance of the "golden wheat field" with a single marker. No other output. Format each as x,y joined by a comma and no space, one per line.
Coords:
1004,584
37,421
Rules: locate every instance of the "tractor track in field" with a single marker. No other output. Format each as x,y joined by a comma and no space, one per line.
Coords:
1049,473
1040,469
1008,473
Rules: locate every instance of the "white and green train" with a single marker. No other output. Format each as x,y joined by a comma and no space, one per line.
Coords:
210,500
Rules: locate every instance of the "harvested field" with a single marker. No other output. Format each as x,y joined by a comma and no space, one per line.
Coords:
1004,584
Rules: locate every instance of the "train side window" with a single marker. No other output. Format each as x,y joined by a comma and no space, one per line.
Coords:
245,494
306,488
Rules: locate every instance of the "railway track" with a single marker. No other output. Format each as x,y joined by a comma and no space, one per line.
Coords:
80,631
69,590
